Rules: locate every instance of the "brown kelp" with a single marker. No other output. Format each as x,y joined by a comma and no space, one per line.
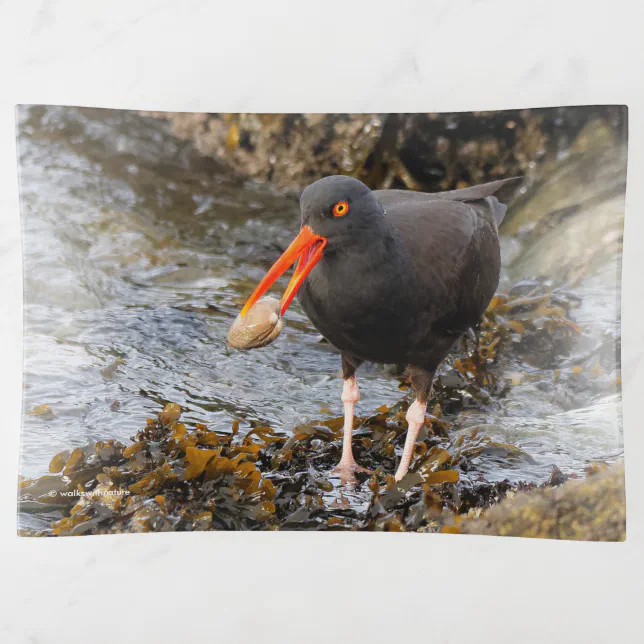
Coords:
175,477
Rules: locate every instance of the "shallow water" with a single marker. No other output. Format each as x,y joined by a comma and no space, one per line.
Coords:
138,256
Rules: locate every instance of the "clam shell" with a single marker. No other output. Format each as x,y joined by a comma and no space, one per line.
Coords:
259,327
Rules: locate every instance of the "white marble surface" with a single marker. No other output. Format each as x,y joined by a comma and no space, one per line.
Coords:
331,56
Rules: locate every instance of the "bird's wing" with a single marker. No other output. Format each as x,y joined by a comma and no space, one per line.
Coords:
454,249
481,191
482,194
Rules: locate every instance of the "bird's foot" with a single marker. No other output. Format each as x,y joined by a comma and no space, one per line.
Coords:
347,471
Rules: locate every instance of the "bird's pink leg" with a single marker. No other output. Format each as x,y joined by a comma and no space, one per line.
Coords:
415,419
347,465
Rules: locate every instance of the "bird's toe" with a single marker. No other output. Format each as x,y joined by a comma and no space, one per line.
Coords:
347,471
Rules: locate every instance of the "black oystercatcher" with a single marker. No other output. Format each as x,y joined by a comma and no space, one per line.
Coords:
391,276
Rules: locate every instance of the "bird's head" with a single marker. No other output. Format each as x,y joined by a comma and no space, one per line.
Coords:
335,210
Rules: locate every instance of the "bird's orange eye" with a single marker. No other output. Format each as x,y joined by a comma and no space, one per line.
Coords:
340,209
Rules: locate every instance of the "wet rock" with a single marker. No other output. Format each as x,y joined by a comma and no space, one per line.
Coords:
590,510
575,245
571,220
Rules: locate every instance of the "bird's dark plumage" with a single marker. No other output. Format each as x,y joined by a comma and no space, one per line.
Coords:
411,274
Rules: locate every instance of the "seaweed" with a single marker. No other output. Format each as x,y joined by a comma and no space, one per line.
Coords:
183,478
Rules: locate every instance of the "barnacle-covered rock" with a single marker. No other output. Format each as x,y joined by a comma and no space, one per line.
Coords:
427,152
589,510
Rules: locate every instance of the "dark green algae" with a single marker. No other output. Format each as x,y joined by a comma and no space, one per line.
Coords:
174,477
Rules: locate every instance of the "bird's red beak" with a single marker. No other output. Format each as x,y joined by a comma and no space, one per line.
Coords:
307,247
